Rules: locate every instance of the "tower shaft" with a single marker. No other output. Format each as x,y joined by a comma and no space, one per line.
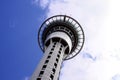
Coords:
49,67
61,38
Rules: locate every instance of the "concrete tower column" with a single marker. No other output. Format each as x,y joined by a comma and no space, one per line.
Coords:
49,66
61,38
55,48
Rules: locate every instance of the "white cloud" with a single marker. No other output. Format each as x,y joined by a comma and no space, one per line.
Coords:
81,68
100,57
116,77
42,3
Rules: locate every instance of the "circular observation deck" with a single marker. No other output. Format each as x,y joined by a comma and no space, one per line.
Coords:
66,24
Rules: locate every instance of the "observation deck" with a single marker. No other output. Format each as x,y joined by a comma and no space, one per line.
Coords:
64,29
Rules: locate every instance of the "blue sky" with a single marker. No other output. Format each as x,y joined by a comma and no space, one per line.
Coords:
19,50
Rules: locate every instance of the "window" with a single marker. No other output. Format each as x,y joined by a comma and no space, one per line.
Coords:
60,48
41,73
38,78
55,65
59,51
53,45
50,53
51,76
52,49
58,55
53,70
48,57
57,60
46,61
44,66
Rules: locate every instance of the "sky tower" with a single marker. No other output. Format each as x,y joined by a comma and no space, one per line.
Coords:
61,38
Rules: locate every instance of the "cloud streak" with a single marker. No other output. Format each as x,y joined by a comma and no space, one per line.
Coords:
89,56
